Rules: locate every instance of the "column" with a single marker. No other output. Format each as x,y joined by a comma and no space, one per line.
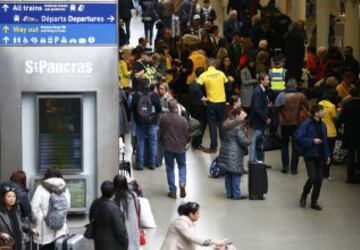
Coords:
322,23
298,10
281,5
351,32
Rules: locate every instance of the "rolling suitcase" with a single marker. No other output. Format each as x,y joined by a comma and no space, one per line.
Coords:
258,181
70,242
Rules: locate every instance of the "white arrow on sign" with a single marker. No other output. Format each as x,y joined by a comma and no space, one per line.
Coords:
6,40
5,7
6,29
111,18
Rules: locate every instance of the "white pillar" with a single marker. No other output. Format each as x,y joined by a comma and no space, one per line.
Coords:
322,23
298,10
351,32
281,5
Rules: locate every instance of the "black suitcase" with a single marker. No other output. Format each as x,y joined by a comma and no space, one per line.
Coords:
124,167
258,181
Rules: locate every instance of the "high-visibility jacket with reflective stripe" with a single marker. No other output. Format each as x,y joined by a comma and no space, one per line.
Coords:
277,76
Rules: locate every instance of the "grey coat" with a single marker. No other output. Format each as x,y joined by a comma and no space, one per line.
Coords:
247,87
231,156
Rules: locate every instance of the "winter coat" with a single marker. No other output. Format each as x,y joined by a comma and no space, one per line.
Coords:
259,108
6,227
305,138
231,155
124,8
181,235
109,226
131,221
40,207
247,87
150,10
166,9
350,117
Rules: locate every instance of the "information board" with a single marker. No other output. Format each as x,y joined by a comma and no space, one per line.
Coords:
57,24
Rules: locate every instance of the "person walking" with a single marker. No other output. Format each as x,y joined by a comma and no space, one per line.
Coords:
181,234
312,138
174,136
233,148
124,10
108,221
52,183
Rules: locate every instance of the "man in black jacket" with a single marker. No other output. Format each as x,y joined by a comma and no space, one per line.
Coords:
259,118
124,9
108,221
350,117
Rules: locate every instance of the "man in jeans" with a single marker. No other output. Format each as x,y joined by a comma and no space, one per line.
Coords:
290,103
313,140
174,136
214,82
259,118
146,127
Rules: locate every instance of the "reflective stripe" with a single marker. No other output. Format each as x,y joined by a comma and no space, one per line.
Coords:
277,76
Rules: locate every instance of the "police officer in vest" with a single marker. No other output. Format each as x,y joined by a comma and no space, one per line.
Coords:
277,76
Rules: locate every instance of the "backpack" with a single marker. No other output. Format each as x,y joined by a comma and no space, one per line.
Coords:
215,171
56,216
144,108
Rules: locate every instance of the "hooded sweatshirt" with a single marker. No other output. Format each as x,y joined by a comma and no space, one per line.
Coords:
40,207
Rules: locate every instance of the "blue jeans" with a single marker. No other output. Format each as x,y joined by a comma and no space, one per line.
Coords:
232,185
256,155
180,158
215,115
151,131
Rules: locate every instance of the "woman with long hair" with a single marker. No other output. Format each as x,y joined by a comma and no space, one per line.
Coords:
130,206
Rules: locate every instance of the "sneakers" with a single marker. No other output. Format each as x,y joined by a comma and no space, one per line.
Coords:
242,197
182,192
316,206
329,179
294,172
209,150
172,195
302,201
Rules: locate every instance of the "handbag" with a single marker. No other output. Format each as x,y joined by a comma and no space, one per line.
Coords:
142,233
89,231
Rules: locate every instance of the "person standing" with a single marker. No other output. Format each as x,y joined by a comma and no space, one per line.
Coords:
11,223
289,105
248,81
174,136
129,206
312,138
350,117
259,117
233,147
52,182
124,10
214,82
329,120
108,221
146,108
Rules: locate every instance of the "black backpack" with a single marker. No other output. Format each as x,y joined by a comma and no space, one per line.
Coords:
144,108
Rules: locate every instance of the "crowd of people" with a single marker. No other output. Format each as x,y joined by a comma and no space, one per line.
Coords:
257,79
259,70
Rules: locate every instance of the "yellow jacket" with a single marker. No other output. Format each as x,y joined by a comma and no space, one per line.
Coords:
124,74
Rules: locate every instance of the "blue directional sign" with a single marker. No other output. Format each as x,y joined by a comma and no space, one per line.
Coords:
57,24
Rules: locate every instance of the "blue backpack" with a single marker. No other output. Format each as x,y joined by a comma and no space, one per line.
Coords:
215,171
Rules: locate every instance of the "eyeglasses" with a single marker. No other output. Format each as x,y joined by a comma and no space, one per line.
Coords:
8,188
